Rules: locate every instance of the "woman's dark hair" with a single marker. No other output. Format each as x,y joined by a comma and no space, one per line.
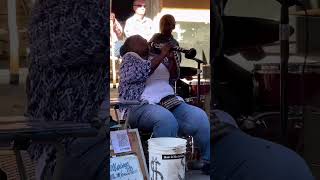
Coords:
126,47
167,21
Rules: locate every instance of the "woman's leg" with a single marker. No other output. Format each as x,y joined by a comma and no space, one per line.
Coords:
154,118
194,121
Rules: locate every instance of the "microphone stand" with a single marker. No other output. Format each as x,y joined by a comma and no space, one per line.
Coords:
198,74
284,33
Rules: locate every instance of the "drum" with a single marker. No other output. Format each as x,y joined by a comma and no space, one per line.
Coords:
183,88
204,87
194,101
268,126
267,84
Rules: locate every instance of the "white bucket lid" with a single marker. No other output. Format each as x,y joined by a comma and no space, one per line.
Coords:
167,145
167,142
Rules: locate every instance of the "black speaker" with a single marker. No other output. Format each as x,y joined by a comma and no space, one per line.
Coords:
311,138
3,175
314,38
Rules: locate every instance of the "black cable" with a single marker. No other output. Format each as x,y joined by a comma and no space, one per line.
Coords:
219,31
304,62
306,43
217,48
306,51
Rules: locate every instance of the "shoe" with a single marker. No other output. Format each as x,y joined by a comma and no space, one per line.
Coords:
202,165
206,168
195,165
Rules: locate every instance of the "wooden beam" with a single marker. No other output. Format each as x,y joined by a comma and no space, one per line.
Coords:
153,12
14,42
187,4
5,32
153,8
25,7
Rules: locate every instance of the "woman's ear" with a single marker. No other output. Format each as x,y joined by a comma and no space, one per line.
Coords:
123,50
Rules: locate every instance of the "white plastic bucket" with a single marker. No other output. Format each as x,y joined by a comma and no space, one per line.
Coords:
167,158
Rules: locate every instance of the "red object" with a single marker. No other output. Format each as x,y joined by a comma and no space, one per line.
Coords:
267,83
204,87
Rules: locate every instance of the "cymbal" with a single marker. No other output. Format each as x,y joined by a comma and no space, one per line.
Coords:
310,12
247,32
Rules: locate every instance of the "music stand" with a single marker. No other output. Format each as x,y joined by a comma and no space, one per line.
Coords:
284,53
198,74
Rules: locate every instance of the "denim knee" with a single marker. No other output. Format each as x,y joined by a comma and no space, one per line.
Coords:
199,120
166,120
155,118
165,124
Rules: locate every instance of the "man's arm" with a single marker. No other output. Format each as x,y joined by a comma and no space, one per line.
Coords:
117,28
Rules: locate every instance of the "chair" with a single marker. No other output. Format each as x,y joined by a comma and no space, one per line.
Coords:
17,133
115,103
114,69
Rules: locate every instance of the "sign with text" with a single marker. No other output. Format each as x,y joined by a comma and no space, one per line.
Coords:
125,167
120,141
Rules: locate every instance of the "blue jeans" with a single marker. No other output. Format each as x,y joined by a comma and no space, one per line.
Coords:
183,120
117,46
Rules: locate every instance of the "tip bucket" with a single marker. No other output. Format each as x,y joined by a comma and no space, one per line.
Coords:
167,158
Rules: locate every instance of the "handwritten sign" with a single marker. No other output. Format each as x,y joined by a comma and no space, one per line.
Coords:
125,167
120,141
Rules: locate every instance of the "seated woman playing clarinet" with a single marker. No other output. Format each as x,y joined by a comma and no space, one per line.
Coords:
150,80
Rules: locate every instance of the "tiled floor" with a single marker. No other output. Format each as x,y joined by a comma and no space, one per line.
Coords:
9,166
197,175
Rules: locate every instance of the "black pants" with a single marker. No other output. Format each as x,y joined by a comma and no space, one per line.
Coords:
239,156
86,159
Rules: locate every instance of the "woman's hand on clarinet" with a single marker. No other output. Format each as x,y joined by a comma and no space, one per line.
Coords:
171,55
165,50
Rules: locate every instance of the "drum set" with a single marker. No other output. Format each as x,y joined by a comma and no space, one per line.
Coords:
265,119
187,86
301,85
253,97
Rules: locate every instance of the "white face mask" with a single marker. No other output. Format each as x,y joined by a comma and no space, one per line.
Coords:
141,10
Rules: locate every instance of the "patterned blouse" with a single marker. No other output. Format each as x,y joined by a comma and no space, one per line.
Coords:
68,71
134,71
